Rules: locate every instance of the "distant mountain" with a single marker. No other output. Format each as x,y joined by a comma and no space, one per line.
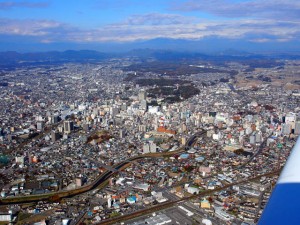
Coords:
207,45
234,52
165,55
11,57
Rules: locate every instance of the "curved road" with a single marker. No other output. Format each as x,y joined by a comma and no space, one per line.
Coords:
56,196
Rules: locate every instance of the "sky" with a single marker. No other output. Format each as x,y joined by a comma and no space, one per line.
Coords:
32,25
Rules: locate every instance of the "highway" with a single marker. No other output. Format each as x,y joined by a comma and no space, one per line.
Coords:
260,148
101,180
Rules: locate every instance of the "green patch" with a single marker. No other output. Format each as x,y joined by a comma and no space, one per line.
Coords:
23,216
4,159
114,214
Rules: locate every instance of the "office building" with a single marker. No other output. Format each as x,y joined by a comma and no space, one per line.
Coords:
297,128
142,95
68,126
40,125
54,136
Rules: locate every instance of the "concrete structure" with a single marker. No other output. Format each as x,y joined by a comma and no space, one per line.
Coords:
68,126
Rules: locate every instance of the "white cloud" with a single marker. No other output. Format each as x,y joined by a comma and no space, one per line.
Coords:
151,26
27,27
24,4
158,19
283,9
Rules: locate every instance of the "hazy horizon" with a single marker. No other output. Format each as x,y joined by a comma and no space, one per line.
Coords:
122,25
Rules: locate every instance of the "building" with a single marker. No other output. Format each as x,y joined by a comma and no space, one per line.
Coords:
153,109
40,125
183,140
153,147
122,133
78,181
297,128
290,118
109,201
6,217
54,136
164,130
143,105
55,119
142,95
144,187
68,126
205,204
193,190
222,214
286,129
159,219
131,199
142,128
183,127
252,139
20,160
35,159
258,137
149,147
114,111
146,148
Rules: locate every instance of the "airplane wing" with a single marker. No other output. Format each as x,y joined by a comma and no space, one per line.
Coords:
283,206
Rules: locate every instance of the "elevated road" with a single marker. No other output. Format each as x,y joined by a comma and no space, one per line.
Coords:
259,151
99,182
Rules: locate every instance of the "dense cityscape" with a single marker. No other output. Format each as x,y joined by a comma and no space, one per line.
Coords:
124,141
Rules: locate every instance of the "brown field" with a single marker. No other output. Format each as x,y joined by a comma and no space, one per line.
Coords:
289,77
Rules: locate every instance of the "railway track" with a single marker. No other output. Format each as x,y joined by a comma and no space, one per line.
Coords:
172,203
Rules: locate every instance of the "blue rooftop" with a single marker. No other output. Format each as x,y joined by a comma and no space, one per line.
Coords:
184,156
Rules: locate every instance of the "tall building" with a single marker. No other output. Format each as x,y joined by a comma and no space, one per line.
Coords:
146,148
142,95
54,136
114,111
68,126
290,118
286,129
142,128
183,140
297,128
55,119
149,147
252,139
258,137
143,104
40,125
109,200
85,127
122,133
153,147
183,127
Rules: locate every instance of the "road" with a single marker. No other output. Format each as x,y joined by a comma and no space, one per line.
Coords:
79,219
165,205
260,148
104,177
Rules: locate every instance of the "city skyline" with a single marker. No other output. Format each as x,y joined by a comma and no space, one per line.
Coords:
125,24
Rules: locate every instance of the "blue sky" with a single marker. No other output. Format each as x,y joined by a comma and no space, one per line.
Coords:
274,23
